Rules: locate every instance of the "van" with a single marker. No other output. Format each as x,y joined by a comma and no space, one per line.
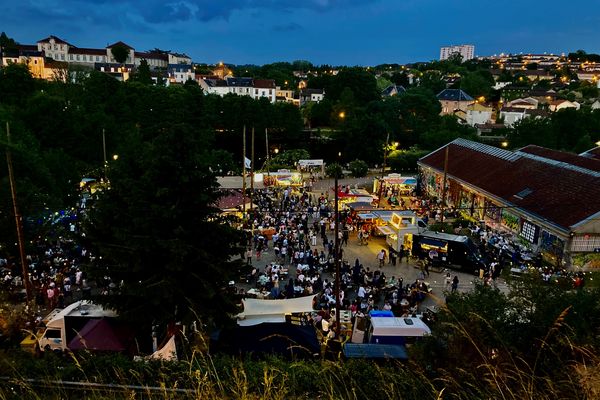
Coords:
398,331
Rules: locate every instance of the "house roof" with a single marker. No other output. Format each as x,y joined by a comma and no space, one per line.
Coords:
592,153
239,82
393,90
561,193
56,40
119,43
562,156
308,92
536,113
151,55
264,83
478,107
82,50
513,109
453,95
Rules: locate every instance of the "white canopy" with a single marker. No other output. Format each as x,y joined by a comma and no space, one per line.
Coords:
257,311
310,163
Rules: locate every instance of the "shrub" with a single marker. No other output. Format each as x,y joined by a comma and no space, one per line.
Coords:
358,168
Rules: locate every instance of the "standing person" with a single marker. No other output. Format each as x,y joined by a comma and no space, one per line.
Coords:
392,258
381,257
249,256
455,284
448,280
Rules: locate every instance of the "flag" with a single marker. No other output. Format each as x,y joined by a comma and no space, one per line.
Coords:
248,162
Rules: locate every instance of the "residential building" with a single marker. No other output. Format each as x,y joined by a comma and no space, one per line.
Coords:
546,198
511,115
286,96
453,100
529,103
52,51
255,88
477,113
467,51
180,73
393,90
311,96
558,105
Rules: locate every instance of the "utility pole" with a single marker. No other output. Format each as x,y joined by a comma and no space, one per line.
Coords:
444,182
252,169
385,151
268,155
18,217
337,257
244,173
104,152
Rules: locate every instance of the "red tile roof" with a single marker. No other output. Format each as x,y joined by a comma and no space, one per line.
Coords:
563,156
561,193
82,50
119,43
56,40
264,83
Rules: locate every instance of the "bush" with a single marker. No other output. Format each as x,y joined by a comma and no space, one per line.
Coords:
358,168
333,170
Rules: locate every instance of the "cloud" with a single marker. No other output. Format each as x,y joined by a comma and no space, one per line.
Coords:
163,12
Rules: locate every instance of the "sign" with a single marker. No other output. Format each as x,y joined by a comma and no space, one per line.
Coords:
433,254
310,163
530,232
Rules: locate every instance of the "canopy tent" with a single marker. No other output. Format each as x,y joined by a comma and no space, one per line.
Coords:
360,205
385,230
167,353
100,335
257,311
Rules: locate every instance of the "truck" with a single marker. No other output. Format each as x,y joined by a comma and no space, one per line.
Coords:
455,251
63,325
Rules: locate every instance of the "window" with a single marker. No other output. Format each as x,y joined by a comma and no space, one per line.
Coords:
255,91
71,57
62,57
78,57
52,334
270,92
97,58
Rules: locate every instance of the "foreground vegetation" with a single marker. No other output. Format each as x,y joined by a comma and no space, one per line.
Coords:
540,341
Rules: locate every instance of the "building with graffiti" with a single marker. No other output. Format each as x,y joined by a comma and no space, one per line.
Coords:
549,200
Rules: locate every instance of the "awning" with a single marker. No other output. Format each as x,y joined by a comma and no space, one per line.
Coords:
257,311
367,216
386,230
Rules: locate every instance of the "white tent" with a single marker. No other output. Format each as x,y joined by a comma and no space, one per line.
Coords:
167,353
257,311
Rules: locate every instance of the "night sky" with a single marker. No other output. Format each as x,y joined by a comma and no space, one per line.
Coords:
337,32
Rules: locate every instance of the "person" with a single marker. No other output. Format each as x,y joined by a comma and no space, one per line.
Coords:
249,256
381,257
448,280
393,258
455,284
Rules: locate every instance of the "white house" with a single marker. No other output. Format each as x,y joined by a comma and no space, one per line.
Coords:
255,88
511,115
558,105
478,114
311,96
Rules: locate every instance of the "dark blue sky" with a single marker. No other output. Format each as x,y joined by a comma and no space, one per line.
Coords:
338,32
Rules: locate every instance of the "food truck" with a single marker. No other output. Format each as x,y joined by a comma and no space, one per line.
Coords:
452,250
401,225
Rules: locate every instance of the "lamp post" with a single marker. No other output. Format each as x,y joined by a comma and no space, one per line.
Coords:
337,250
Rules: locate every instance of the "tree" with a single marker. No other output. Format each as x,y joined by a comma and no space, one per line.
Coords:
478,83
120,53
358,168
333,170
142,74
159,233
6,43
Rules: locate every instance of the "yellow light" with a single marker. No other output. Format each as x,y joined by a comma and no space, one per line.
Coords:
342,114
115,157
598,143
504,144
276,151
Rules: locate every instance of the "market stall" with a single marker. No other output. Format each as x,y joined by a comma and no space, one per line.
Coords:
395,185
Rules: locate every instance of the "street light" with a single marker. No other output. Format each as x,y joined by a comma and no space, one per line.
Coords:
504,144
